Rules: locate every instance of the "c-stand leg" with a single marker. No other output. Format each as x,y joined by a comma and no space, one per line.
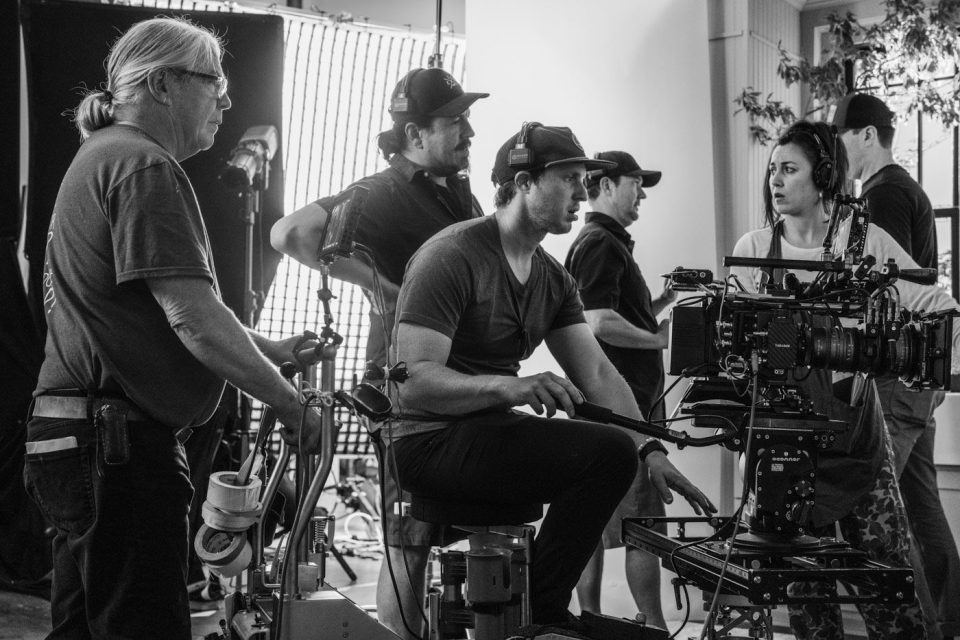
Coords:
343,563
734,612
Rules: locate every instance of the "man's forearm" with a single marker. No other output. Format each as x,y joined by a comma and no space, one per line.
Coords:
217,339
435,389
659,304
298,236
612,328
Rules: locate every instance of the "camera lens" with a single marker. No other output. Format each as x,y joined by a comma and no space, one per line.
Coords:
904,355
836,348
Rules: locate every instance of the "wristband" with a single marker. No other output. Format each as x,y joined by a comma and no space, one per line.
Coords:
649,447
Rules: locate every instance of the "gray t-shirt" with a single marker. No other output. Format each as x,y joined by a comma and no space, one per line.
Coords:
125,212
460,284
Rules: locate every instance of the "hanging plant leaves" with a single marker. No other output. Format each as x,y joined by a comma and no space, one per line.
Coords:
907,59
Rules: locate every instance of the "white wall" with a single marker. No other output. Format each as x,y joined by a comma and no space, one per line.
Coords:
622,75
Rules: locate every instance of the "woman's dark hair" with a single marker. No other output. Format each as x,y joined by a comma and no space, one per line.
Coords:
394,139
821,145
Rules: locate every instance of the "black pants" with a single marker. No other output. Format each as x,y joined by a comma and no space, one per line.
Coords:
120,553
581,469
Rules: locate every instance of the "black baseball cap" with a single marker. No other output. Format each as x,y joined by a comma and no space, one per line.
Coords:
547,147
626,166
430,92
859,110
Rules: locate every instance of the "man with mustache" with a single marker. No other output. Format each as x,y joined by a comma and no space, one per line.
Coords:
423,191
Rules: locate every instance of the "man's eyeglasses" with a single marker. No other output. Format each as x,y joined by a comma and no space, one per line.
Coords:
219,81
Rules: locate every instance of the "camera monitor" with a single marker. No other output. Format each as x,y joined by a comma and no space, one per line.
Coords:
343,216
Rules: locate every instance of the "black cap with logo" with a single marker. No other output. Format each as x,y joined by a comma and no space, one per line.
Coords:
626,166
430,92
546,147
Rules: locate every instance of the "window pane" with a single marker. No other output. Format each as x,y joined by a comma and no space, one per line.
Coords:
937,162
905,141
945,254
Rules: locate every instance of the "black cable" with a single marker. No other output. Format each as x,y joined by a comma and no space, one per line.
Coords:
396,478
690,301
378,300
743,497
661,399
377,293
686,615
710,538
291,543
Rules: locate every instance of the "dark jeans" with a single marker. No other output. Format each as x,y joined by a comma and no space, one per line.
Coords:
120,553
581,469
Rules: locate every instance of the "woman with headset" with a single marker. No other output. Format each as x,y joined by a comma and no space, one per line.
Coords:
855,487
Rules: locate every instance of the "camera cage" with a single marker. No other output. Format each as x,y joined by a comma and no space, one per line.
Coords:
791,324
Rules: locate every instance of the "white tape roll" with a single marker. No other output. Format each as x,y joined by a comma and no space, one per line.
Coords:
228,520
226,553
226,496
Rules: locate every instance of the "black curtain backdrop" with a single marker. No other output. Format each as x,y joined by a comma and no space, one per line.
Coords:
9,126
66,44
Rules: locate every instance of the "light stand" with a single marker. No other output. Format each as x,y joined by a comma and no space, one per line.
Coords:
252,210
248,173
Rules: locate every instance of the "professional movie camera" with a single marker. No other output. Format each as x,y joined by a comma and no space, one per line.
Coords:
747,355
729,339
721,332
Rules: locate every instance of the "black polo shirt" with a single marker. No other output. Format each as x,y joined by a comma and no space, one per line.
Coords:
403,208
601,260
898,205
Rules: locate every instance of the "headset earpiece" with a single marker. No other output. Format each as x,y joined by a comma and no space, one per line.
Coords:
823,175
402,103
520,156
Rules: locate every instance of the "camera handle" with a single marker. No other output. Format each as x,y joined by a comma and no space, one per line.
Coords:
597,413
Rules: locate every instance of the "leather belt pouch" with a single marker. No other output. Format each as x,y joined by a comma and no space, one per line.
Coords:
114,433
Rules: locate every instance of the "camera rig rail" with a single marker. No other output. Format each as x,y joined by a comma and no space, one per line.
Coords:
762,577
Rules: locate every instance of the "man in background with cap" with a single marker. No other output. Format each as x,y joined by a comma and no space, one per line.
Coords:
424,190
477,299
623,316
897,204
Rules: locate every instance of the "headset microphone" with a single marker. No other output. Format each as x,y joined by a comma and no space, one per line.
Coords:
520,156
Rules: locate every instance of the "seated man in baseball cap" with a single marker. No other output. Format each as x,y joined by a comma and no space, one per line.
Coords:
476,300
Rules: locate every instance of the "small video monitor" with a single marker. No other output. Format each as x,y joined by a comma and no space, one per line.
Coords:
343,216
